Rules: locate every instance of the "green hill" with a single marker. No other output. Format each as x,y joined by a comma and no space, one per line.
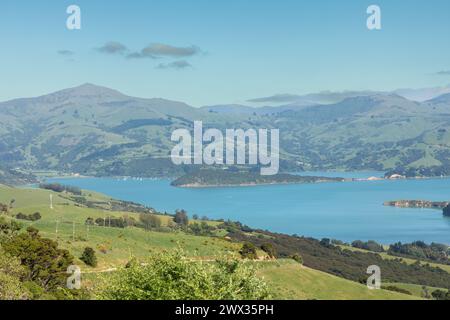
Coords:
290,280
98,131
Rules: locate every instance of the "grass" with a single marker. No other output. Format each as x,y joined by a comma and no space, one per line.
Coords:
290,280
114,246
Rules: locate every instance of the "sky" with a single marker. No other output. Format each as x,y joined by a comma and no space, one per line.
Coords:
206,52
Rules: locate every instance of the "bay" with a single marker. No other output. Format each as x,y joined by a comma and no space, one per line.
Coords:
345,211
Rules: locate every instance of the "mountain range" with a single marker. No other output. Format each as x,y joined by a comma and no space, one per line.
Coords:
94,130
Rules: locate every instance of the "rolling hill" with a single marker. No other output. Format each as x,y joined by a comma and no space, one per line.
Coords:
98,131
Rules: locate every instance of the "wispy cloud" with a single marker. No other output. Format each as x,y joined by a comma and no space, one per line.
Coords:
113,48
180,64
276,98
160,50
66,53
443,73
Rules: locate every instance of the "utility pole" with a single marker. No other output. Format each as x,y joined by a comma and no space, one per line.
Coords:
73,230
56,230
87,232
51,201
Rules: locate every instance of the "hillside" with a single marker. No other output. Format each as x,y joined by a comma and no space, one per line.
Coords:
98,131
116,246
293,281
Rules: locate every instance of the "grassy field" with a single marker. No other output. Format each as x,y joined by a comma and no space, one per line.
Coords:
114,246
290,280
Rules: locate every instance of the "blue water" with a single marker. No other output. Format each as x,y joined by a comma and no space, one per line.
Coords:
345,211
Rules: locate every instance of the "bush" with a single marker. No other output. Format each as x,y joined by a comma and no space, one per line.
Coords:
150,221
181,218
248,251
369,245
269,249
29,217
89,257
441,295
172,276
397,289
297,257
56,187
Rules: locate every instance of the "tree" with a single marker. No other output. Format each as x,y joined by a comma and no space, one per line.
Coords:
172,276
181,217
297,257
46,264
269,249
248,251
325,242
150,221
89,257
441,295
11,275
195,217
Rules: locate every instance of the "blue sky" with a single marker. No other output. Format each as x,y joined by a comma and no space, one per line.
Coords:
223,51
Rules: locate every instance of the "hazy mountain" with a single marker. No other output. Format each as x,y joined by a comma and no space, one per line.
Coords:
423,94
96,130
441,100
325,97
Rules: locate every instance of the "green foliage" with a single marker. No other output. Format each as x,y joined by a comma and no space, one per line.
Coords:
248,251
297,257
434,252
150,221
11,275
89,257
8,228
201,229
397,289
441,295
181,218
56,187
269,249
29,217
347,263
46,264
236,177
369,245
172,276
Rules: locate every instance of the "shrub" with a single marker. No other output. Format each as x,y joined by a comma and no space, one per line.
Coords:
150,221
45,263
397,289
269,249
172,276
181,218
248,251
441,295
89,257
297,257
29,217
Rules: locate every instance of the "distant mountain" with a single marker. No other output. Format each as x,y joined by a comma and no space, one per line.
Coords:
233,109
423,94
325,97
94,130
441,100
